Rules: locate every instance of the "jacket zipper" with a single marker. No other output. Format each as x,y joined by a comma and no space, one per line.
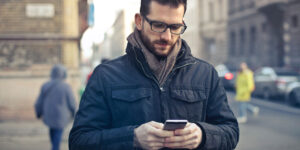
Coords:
161,88
176,69
151,77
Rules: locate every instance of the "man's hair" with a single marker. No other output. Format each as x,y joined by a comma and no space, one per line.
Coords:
145,4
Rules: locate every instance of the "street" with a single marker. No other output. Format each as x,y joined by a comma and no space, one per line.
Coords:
27,135
275,128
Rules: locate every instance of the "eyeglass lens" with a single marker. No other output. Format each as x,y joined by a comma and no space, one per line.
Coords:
161,27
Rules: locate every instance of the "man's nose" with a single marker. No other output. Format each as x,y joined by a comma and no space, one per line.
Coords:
166,35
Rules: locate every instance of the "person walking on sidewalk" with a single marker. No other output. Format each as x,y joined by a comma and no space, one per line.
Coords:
56,105
244,87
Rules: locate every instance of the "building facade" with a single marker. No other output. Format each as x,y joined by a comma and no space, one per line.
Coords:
292,34
260,32
212,16
34,35
115,39
191,34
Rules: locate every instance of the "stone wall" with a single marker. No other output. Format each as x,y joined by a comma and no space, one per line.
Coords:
16,55
19,91
14,18
35,35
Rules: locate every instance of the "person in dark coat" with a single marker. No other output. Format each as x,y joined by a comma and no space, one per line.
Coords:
128,99
56,104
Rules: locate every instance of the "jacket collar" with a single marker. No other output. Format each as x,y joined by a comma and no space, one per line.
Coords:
184,58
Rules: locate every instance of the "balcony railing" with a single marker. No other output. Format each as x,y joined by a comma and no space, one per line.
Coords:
265,3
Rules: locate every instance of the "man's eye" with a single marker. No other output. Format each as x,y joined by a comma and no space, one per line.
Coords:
175,27
158,25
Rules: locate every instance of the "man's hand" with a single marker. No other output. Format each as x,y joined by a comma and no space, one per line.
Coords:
151,135
190,137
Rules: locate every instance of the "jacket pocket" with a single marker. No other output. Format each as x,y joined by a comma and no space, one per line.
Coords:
131,105
131,95
188,103
189,96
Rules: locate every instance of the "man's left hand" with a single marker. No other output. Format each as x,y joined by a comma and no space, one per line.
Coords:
189,138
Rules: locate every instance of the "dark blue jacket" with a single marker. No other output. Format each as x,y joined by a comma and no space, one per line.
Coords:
56,104
123,94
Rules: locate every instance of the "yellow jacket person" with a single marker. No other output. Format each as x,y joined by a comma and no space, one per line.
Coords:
244,85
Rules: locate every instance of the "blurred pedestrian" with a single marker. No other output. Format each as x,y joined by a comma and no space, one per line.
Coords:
56,104
244,87
128,99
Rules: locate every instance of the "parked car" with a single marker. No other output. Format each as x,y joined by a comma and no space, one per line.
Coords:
292,95
271,82
227,74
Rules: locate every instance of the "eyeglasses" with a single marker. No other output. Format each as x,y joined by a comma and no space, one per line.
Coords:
161,27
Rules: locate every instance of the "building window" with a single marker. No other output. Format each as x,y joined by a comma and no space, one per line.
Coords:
242,42
251,4
264,27
211,11
294,21
231,8
241,6
252,39
232,50
212,48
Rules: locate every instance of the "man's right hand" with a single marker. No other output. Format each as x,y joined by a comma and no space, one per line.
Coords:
151,135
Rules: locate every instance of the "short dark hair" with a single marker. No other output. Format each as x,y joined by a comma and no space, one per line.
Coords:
145,4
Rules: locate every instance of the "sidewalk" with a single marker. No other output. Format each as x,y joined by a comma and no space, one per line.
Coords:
28,135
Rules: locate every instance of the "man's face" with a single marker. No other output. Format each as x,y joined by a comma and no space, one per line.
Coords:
161,44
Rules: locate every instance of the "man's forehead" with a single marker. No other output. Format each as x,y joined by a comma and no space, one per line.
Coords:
166,13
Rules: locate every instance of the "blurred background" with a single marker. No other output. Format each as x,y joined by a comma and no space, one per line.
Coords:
80,34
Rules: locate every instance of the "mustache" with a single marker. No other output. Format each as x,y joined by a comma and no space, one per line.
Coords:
162,42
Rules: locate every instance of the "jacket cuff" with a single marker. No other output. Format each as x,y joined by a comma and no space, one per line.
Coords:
213,140
201,145
123,138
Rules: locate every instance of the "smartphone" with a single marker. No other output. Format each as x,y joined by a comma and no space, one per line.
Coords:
174,124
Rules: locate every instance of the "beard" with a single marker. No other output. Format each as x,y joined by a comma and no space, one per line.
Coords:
150,45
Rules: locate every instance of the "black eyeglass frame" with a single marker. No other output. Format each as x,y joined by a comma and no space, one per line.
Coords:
167,26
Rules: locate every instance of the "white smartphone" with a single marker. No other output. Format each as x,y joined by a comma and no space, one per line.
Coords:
174,124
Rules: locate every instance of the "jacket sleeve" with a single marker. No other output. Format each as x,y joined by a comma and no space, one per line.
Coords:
251,81
220,129
92,128
38,106
71,102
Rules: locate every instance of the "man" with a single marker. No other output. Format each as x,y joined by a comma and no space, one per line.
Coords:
128,99
244,87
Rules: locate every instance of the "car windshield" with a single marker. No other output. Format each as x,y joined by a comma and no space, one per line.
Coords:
232,68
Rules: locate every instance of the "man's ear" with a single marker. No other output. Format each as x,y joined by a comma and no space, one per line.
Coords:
138,21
